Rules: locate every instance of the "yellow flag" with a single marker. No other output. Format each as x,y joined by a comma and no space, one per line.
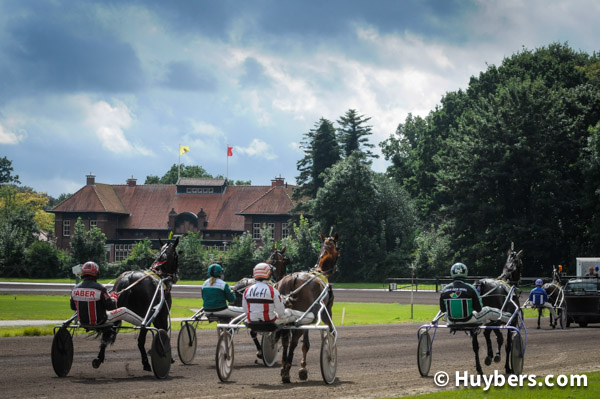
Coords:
183,149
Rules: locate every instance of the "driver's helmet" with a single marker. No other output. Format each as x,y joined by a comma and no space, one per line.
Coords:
458,270
539,282
90,269
215,270
262,271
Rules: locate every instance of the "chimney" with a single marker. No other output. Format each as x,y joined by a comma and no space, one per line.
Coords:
172,216
202,222
131,182
90,180
277,182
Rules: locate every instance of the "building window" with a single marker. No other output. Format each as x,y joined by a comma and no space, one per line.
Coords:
122,251
256,231
93,223
66,228
285,233
211,190
271,227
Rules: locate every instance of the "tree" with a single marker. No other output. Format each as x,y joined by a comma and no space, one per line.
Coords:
352,134
6,172
321,152
87,245
142,256
18,230
43,260
345,205
505,160
239,260
172,174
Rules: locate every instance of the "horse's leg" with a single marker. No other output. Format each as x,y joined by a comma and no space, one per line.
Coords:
507,367
476,350
303,372
500,342
285,375
108,337
254,336
539,317
490,350
285,366
142,348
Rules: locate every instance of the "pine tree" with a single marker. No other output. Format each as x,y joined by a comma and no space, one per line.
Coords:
352,134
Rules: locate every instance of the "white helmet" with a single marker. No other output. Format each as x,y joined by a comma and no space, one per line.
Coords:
262,271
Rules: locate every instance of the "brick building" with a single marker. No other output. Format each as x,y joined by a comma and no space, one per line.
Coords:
128,213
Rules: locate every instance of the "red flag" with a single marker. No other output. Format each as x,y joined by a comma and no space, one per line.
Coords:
229,151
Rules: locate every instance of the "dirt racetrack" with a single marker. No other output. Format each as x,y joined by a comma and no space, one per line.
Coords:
373,361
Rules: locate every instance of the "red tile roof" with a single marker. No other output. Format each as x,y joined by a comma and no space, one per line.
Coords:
96,198
148,205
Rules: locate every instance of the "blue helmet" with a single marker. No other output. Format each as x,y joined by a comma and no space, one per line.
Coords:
215,270
539,282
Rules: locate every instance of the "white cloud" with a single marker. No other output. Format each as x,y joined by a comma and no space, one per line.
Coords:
257,148
8,137
109,123
205,129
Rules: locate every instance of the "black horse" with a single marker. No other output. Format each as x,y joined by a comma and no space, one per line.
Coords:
279,262
136,290
553,290
493,294
301,290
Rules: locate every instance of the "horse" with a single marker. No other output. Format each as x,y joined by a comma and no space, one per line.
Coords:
553,290
136,290
300,290
279,262
493,294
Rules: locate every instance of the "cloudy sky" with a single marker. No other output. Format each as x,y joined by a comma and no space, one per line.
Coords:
114,87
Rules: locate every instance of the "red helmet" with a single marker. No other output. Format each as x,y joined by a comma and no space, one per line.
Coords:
90,269
262,271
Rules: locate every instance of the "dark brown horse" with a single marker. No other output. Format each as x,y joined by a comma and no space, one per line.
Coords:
136,290
493,294
279,262
302,289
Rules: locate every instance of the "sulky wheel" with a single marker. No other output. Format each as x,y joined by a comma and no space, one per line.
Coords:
161,354
328,357
62,352
424,352
517,356
224,355
186,343
270,347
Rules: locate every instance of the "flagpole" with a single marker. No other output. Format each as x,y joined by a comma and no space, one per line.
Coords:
179,165
227,174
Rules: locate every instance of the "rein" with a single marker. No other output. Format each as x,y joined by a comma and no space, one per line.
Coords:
132,284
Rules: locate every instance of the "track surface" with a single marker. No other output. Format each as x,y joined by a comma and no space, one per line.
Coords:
373,362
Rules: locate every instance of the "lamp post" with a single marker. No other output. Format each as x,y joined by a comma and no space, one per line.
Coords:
412,278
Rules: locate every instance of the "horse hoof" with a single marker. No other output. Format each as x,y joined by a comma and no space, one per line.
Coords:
538,327
497,359
147,367
259,355
303,374
96,363
286,380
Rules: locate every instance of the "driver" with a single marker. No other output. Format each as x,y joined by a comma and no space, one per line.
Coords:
216,293
262,301
94,304
539,298
462,303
